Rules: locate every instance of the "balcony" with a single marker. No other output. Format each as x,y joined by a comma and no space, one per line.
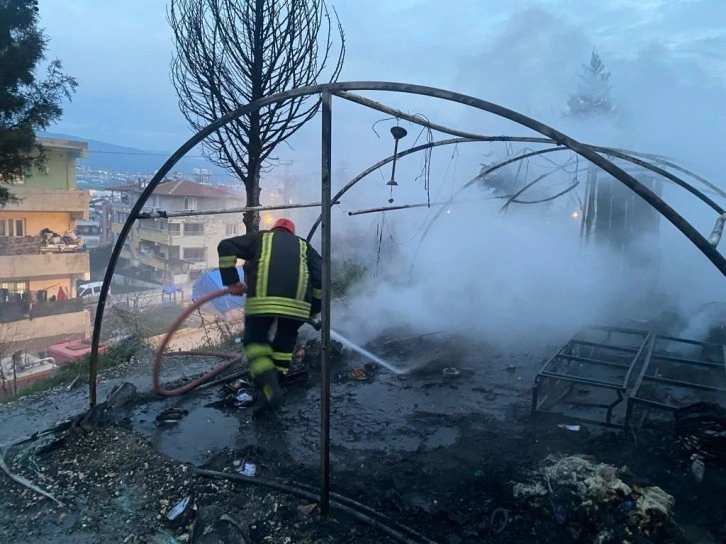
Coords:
73,201
159,236
31,267
177,266
16,307
152,261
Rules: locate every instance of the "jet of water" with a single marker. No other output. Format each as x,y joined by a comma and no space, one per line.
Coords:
355,347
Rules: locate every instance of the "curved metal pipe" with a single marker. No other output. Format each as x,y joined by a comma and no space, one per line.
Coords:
421,121
558,137
379,164
629,156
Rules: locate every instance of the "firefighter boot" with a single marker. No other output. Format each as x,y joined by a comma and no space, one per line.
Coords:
271,392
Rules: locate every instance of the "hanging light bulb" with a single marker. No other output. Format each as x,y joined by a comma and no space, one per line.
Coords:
397,133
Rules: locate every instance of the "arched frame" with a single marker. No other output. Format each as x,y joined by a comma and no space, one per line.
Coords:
326,91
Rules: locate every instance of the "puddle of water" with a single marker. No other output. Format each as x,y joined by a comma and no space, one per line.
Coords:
198,435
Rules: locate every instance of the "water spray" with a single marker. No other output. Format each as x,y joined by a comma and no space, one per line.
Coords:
316,324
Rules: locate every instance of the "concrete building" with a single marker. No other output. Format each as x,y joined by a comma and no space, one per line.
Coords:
178,250
41,259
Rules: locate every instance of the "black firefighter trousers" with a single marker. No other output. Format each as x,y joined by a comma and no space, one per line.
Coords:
264,355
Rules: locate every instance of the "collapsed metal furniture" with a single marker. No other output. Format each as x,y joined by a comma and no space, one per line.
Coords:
619,377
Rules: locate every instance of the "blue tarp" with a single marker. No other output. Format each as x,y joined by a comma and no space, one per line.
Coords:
212,281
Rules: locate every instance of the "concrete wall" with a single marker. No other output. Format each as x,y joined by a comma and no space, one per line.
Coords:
59,222
35,335
45,266
60,171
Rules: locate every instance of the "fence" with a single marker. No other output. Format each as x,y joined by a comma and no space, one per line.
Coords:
32,304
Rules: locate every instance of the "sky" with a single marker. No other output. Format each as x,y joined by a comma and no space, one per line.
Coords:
668,82
120,51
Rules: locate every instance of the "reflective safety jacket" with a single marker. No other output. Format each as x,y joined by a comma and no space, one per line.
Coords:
282,273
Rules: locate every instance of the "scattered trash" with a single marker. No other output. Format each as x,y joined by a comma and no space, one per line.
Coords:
243,399
701,430
246,469
300,354
358,374
511,367
573,428
171,416
179,509
307,509
451,372
499,520
584,494
238,340
236,385
370,368
698,467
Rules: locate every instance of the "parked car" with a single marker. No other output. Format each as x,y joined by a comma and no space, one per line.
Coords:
90,292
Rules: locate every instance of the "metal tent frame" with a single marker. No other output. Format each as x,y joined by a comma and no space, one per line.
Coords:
341,90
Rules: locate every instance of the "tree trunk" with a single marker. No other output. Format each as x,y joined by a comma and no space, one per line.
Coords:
252,188
254,143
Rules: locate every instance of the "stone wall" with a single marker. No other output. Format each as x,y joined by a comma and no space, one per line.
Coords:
20,245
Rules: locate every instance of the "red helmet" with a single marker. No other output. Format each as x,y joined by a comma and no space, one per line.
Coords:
284,224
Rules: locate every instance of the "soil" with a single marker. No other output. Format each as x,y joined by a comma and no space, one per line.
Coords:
437,452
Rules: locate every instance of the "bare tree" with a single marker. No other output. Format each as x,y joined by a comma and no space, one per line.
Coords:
230,53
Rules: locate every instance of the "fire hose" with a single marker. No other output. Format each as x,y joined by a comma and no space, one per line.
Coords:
228,358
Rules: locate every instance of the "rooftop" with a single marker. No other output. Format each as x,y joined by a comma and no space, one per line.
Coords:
80,147
181,188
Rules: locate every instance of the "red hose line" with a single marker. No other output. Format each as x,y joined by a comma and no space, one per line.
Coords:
159,359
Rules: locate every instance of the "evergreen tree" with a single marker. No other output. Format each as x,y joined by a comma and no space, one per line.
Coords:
593,92
27,103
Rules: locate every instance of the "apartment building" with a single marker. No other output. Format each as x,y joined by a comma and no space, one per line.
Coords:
41,259
178,250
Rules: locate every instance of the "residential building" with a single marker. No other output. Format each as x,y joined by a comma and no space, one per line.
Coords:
177,250
41,259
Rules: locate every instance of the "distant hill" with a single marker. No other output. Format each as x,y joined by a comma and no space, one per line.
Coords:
116,158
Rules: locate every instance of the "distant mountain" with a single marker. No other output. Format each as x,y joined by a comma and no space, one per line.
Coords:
116,158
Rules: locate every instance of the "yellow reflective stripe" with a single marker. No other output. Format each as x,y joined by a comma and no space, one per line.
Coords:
280,356
263,268
302,275
227,262
254,351
318,293
260,366
282,369
277,306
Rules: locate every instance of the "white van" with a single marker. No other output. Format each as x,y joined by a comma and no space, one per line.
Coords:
90,291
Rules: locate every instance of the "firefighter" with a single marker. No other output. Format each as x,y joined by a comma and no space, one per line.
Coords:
283,276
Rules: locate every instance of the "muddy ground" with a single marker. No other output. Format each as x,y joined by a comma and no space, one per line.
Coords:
436,453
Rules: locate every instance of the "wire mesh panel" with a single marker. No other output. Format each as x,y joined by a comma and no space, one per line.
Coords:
588,377
677,374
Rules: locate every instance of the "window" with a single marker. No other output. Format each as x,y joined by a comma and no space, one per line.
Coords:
174,228
231,229
193,229
14,287
190,203
12,227
194,254
155,202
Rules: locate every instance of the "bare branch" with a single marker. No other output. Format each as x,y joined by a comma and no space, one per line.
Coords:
230,53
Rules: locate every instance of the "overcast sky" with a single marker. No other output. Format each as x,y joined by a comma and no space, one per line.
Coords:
665,55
